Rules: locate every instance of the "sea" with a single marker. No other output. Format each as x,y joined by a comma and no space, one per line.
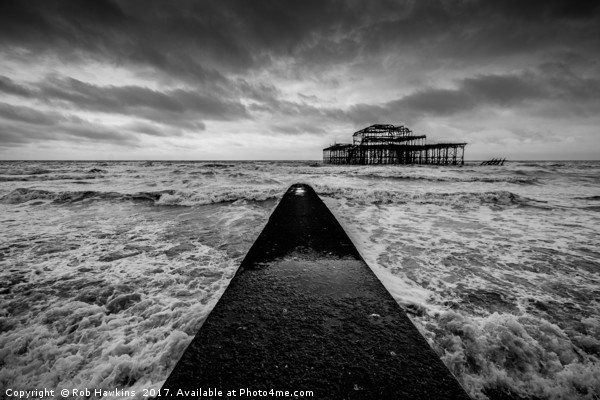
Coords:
108,269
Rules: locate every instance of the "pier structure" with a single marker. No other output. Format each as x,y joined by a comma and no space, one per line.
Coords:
390,144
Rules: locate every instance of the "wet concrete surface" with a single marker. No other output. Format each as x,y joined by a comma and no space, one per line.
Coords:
305,313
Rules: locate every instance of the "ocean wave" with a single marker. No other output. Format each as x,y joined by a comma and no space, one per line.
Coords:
590,198
162,198
24,171
514,180
217,165
22,195
494,198
96,327
523,356
40,177
534,164
184,198
207,172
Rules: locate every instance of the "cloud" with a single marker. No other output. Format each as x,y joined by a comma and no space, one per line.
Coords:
287,68
480,33
98,134
141,101
28,115
21,124
502,89
161,130
9,87
204,41
298,128
74,132
184,108
554,84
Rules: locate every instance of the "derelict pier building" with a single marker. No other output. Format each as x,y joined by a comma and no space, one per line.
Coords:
390,144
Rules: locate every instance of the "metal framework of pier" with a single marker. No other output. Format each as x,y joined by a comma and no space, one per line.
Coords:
390,144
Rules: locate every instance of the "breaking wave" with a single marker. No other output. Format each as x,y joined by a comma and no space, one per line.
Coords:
24,171
22,195
163,197
41,177
523,356
590,198
493,198
183,198
509,179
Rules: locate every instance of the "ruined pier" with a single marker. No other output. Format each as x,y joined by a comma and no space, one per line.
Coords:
390,144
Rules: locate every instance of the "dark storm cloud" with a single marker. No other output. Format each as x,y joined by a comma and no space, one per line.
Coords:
549,83
503,89
563,83
161,130
141,101
144,35
261,92
541,9
98,134
179,107
463,31
287,108
12,136
74,132
7,86
20,124
28,115
298,128
204,41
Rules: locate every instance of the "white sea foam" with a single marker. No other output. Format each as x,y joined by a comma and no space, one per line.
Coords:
483,291
523,355
227,194
117,306
104,287
163,198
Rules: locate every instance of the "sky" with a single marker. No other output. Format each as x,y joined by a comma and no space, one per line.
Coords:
279,79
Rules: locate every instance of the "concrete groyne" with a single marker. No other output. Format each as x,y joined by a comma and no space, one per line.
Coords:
304,313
